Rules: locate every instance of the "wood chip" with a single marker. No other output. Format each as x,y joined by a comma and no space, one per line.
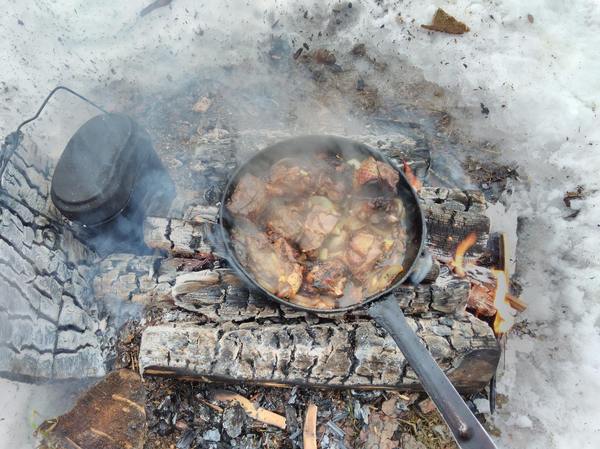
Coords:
445,23
310,428
516,303
259,414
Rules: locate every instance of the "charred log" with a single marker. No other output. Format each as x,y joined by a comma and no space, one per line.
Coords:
354,354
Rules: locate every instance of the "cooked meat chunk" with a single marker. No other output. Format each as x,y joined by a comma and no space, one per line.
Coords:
286,220
334,183
290,272
381,278
289,178
320,221
363,253
327,277
273,262
321,232
249,198
372,170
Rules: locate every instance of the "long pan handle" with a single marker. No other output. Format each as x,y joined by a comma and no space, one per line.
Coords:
467,430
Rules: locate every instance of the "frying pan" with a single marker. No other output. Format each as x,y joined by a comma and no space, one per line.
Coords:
383,306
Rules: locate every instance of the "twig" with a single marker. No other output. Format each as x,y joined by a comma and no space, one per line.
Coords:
216,408
260,414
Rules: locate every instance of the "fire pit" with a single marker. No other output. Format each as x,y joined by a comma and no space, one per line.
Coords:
203,324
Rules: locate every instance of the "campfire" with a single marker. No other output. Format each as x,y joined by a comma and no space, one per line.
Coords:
146,289
490,288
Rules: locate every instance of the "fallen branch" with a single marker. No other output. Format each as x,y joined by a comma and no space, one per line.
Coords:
259,414
310,428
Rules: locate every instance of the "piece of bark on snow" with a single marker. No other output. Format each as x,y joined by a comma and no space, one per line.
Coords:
110,415
444,22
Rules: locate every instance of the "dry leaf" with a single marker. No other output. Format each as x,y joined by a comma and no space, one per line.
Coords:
389,407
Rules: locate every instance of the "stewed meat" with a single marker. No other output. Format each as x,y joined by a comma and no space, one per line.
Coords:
327,277
364,251
286,219
371,170
320,231
320,221
271,259
249,198
289,178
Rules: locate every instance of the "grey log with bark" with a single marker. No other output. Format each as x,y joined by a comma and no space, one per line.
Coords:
347,354
49,326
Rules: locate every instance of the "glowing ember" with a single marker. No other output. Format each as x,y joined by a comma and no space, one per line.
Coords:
504,312
459,256
412,178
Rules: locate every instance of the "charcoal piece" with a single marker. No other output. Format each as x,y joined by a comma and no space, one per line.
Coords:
233,421
186,440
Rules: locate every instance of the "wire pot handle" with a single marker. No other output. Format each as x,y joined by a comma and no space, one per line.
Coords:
13,140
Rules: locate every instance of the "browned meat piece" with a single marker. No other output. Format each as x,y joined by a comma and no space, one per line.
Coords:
272,262
372,170
315,302
381,210
319,222
286,220
249,198
289,178
327,277
333,177
363,253
333,186
382,278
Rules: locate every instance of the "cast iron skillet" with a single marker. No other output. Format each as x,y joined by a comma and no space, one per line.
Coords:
383,307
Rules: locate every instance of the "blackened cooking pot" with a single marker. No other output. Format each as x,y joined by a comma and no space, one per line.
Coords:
107,179
384,308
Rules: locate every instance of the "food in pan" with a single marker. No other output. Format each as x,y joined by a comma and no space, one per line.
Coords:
320,231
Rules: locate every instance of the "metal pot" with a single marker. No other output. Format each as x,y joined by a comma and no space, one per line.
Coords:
382,306
107,179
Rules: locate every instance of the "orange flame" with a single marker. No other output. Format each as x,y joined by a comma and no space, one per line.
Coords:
459,256
412,178
505,314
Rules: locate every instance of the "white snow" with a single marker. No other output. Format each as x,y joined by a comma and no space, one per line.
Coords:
540,82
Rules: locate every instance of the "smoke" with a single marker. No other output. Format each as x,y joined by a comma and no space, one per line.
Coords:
238,53
535,77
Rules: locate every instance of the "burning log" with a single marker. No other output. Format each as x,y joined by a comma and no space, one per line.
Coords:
489,295
343,354
219,295
451,215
